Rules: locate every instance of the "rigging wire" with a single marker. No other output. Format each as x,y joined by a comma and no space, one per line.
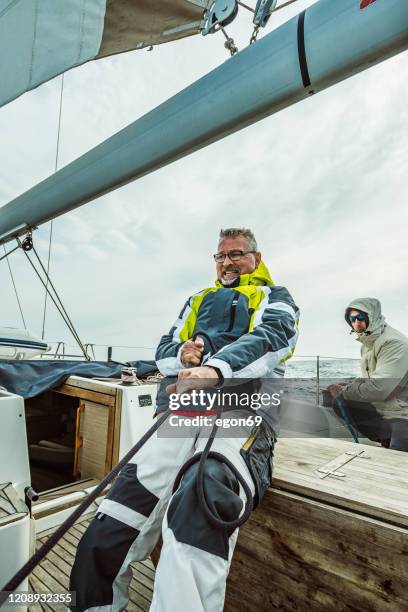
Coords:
277,8
67,318
52,221
8,252
245,6
55,298
281,6
14,284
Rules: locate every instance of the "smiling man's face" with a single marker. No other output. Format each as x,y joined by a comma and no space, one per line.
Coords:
229,271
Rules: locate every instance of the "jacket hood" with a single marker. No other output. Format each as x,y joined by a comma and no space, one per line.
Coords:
372,307
260,276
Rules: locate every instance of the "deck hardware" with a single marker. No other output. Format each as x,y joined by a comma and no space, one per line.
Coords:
263,11
326,472
27,243
220,14
30,496
129,375
331,468
229,43
13,233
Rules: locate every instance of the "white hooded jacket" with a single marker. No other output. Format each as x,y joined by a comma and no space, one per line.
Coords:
384,363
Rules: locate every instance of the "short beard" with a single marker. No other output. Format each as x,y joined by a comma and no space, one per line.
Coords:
232,283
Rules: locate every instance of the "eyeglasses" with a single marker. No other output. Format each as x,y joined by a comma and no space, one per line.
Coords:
232,255
359,317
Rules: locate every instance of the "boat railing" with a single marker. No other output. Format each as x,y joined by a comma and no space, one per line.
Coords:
59,352
300,366
322,367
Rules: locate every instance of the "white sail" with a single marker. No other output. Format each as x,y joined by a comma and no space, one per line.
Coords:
325,44
39,40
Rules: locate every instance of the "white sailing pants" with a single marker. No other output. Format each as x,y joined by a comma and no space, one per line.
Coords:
195,557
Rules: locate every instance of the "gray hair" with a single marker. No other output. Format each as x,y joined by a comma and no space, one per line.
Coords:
232,232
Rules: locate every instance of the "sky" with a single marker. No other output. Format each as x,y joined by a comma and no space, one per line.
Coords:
323,185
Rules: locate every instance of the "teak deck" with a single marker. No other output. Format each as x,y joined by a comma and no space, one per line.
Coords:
52,575
375,484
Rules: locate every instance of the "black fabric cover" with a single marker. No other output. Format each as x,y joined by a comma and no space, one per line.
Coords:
30,377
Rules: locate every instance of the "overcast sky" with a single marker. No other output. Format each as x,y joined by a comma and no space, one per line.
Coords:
323,185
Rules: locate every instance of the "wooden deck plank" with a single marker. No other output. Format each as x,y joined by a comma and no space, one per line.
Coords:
295,551
60,562
36,586
92,385
40,583
52,575
92,396
139,582
49,576
133,607
77,533
67,546
374,486
71,539
146,571
137,598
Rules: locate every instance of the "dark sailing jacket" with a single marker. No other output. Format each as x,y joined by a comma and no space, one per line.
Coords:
253,327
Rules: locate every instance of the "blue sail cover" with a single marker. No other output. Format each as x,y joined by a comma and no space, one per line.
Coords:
29,378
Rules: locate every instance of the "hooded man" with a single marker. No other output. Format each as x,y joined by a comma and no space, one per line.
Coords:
372,401
235,333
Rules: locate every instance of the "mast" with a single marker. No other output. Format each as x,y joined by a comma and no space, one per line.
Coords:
325,44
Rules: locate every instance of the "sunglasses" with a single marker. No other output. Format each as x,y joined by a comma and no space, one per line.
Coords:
359,317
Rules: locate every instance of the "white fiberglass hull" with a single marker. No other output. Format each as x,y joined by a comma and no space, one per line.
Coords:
20,344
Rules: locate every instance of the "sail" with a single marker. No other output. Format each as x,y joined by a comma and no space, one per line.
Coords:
40,39
328,42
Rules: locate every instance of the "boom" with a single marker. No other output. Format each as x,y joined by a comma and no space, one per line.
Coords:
329,42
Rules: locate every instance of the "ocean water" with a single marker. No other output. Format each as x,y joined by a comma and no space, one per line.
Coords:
301,375
329,367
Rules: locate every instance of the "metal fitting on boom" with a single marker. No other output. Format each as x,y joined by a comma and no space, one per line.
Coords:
263,11
219,15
